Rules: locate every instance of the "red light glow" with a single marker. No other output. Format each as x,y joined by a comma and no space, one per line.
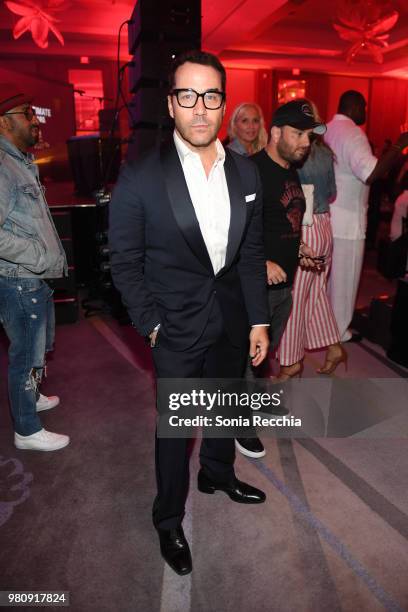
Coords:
38,19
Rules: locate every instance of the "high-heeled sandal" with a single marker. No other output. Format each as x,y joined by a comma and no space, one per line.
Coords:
331,364
288,372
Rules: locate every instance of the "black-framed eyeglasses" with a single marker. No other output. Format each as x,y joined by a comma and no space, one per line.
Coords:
29,113
188,98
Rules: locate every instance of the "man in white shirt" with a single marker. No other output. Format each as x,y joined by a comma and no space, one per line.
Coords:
187,256
355,169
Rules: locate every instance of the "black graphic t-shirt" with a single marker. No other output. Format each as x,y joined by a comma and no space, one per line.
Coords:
284,206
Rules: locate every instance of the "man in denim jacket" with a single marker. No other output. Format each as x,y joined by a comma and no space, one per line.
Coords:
30,251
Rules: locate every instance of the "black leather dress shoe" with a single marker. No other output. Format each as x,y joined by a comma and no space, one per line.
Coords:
175,550
237,491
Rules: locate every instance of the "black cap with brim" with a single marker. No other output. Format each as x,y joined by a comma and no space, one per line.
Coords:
298,114
318,128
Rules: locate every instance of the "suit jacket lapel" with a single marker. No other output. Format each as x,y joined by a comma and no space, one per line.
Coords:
182,205
238,210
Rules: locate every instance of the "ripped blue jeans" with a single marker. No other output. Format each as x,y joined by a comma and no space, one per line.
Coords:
27,315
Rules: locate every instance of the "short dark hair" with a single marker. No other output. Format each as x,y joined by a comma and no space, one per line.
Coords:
349,100
196,56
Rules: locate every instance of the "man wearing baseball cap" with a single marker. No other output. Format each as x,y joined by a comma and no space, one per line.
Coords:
298,114
30,252
284,204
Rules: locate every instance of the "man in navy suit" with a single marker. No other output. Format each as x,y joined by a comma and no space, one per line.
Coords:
188,259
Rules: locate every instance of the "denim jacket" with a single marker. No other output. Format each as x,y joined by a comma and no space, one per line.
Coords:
29,243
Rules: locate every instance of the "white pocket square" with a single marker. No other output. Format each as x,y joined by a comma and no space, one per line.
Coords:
250,198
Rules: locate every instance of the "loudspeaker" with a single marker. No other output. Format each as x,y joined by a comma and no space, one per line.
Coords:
361,321
379,326
398,350
159,20
374,322
65,289
145,138
161,30
149,106
107,120
93,160
151,63
392,257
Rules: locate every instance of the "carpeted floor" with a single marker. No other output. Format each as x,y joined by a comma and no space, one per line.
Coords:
333,534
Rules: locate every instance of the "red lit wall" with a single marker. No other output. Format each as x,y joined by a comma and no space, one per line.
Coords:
57,68
240,88
388,109
89,99
387,99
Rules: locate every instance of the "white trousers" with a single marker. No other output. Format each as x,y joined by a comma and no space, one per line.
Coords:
347,261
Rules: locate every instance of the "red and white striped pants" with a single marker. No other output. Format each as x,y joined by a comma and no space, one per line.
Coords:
311,324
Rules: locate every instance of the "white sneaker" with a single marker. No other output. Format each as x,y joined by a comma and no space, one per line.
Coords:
45,403
42,440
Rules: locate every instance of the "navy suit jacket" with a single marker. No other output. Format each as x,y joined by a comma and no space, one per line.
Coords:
160,263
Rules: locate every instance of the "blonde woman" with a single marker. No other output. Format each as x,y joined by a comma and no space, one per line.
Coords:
246,129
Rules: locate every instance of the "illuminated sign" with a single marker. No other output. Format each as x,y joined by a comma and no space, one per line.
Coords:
42,113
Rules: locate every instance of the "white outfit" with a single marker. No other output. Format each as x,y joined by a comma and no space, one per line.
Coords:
354,162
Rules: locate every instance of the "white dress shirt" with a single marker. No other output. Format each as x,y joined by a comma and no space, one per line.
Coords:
210,199
354,162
